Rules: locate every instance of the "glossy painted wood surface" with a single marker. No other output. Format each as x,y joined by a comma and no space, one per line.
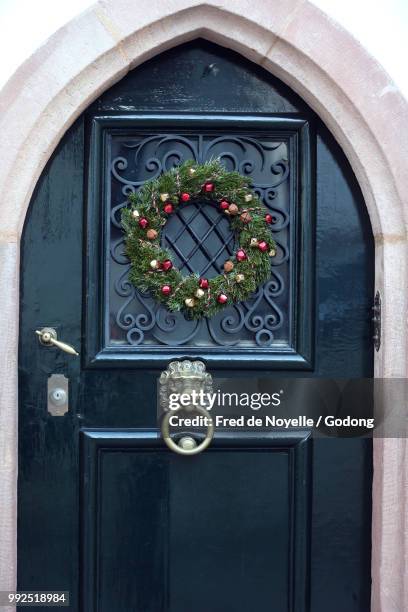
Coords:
55,517
213,533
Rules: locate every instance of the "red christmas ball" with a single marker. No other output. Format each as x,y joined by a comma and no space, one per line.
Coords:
208,187
224,205
166,265
263,246
166,290
241,255
222,298
268,218
143,222
203,283
168,208
185,197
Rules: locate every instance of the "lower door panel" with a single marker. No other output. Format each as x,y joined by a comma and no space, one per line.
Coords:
223,531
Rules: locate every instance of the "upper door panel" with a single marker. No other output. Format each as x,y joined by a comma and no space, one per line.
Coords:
275,326
219,105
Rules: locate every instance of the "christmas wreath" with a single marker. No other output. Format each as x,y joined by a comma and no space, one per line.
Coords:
152,269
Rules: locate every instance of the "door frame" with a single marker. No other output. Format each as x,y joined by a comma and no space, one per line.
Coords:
97,49
298,132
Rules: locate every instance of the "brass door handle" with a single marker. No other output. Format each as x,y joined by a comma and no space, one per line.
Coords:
48,337
185,378
187,444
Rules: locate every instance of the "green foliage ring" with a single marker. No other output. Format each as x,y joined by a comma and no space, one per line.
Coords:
250,220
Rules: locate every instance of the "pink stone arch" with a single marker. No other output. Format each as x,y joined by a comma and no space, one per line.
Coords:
335,76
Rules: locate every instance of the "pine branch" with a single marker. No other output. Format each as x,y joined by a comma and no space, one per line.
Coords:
209,183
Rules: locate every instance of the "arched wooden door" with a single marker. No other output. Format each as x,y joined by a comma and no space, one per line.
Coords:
106,511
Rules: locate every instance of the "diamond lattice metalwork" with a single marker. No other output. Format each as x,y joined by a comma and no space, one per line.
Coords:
200,237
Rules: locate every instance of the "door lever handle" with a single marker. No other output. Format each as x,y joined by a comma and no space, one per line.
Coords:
48,337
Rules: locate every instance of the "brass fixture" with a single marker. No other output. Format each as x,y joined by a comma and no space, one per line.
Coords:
48,337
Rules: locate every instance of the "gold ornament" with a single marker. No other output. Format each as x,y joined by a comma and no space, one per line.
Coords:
164,197
239,278
254,242
154,264
233,209
200,293
135,214
272,253
151,234
228,266
248,197
189,302
191,171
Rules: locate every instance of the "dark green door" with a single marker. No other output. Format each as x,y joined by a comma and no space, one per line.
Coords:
106,511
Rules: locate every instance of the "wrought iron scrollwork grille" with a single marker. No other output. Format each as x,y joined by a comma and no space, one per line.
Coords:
201,240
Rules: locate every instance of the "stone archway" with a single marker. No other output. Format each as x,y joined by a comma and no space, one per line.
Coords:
334,75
